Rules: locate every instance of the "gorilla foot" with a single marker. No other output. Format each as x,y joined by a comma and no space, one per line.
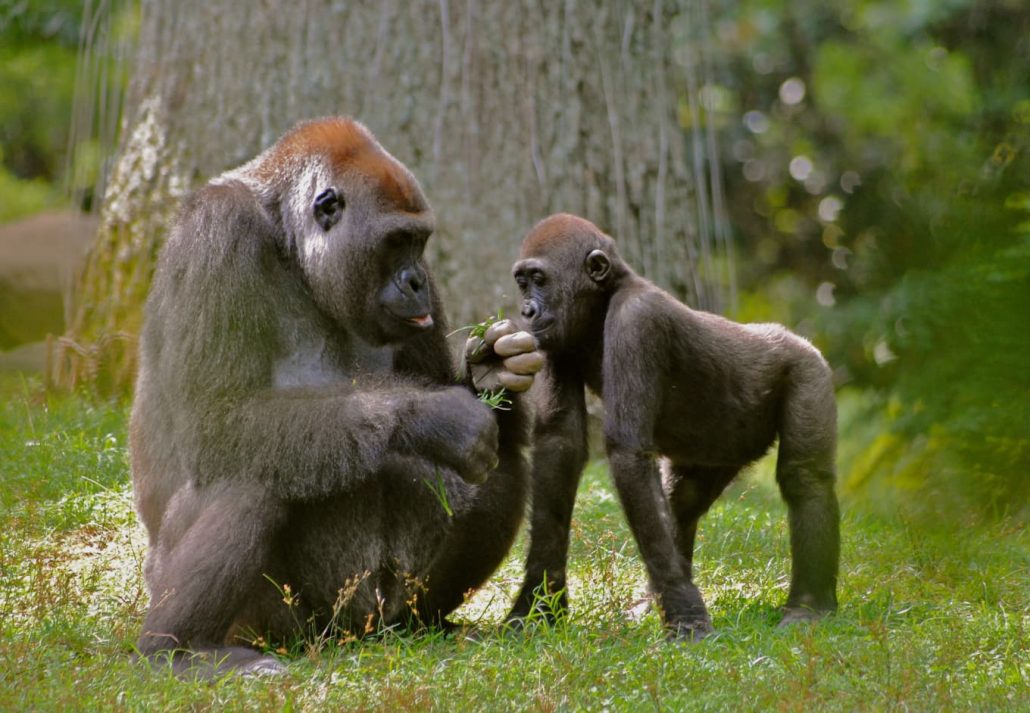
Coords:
690,631
262,667
808,607
212,664
802,614
535,620
541,607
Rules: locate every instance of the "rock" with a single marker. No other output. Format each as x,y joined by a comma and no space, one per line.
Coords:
39,259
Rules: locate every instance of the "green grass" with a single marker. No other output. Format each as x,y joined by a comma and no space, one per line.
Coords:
934,615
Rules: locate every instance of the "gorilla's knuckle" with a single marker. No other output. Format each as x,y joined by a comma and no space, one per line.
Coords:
498,330
515,382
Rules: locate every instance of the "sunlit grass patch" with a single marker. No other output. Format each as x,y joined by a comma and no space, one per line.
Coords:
934,616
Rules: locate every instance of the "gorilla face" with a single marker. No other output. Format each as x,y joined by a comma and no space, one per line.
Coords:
564,274
542,301
560,302
360,237
404,292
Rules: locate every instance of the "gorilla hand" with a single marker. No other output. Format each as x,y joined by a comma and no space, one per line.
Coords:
503,357
456,430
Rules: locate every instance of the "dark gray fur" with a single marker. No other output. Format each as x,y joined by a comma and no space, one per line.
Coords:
289,414
707,395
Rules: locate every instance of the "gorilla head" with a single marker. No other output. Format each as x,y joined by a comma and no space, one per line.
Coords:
567,269
355,222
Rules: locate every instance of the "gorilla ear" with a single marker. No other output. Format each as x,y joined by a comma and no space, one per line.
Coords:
328,208
598,265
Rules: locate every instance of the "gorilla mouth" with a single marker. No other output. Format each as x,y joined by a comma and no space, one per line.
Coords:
540,327
419,322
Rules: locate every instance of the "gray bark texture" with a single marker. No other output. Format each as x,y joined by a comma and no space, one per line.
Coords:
505,111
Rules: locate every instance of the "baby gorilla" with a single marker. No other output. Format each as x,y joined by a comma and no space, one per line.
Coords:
706,394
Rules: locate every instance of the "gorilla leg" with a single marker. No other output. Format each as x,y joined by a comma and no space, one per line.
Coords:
557,467
650,519
354,561
694,489
805,472
202,575
415,560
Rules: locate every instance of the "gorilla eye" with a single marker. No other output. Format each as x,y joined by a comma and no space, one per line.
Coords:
328,208
538,278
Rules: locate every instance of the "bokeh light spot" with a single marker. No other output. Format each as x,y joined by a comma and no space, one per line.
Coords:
800,167
792,91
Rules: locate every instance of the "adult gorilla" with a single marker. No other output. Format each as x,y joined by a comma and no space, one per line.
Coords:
301,453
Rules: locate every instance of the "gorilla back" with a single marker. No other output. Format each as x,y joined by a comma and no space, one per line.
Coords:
295,398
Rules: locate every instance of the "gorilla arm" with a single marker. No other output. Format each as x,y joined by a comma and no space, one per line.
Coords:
335,436
505,358
559,454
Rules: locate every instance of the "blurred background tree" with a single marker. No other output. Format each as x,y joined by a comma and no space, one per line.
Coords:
868,159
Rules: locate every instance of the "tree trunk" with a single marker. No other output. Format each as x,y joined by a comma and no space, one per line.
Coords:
505,112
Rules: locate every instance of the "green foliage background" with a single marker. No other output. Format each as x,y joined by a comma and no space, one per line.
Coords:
913,223
900,244
38,49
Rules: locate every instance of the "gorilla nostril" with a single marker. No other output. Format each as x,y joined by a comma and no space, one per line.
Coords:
411,279
528,310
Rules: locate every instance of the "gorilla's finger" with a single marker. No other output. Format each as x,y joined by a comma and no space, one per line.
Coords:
476,349
525,364
499,329
484,375
514,382
472,466
517,343
482,458
474,475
